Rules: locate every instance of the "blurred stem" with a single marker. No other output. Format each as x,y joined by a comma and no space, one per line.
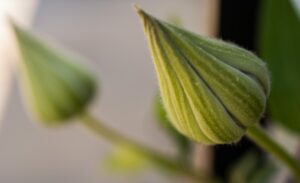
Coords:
258,135
114,137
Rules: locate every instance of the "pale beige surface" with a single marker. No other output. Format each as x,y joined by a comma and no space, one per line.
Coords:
109,35
22,12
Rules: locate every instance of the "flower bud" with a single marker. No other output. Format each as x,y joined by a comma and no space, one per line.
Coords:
181,141
54,85
212,90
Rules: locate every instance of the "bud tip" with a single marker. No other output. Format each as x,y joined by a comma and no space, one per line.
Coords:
138,10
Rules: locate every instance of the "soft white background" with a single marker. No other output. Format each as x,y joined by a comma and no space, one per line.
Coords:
109,35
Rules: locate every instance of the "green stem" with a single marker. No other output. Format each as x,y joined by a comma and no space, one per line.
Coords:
163,161
258,135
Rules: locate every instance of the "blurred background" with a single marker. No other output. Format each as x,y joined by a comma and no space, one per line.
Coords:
108,35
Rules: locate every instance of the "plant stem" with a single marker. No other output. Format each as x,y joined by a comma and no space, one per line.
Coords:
113,136
258,135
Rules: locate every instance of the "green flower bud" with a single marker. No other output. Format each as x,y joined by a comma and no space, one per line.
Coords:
183,143
212,90
54,86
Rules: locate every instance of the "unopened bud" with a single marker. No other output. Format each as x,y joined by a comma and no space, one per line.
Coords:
55,86
212,90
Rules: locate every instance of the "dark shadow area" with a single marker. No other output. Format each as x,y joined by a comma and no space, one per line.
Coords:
238,21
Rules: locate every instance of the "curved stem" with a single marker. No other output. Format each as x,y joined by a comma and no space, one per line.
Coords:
163,161
258,135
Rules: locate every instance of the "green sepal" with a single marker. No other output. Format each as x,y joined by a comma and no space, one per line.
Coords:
183,144
55,86
211,90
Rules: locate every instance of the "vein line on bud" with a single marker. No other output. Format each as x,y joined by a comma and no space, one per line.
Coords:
220,133
217,80
244,61
160,65
207,85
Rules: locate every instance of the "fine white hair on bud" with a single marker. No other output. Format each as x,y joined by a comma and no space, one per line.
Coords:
212,90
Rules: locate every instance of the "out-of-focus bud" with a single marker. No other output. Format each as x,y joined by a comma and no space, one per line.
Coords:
212,90
54,85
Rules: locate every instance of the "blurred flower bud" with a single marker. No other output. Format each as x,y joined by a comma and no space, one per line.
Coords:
54,85
212,90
